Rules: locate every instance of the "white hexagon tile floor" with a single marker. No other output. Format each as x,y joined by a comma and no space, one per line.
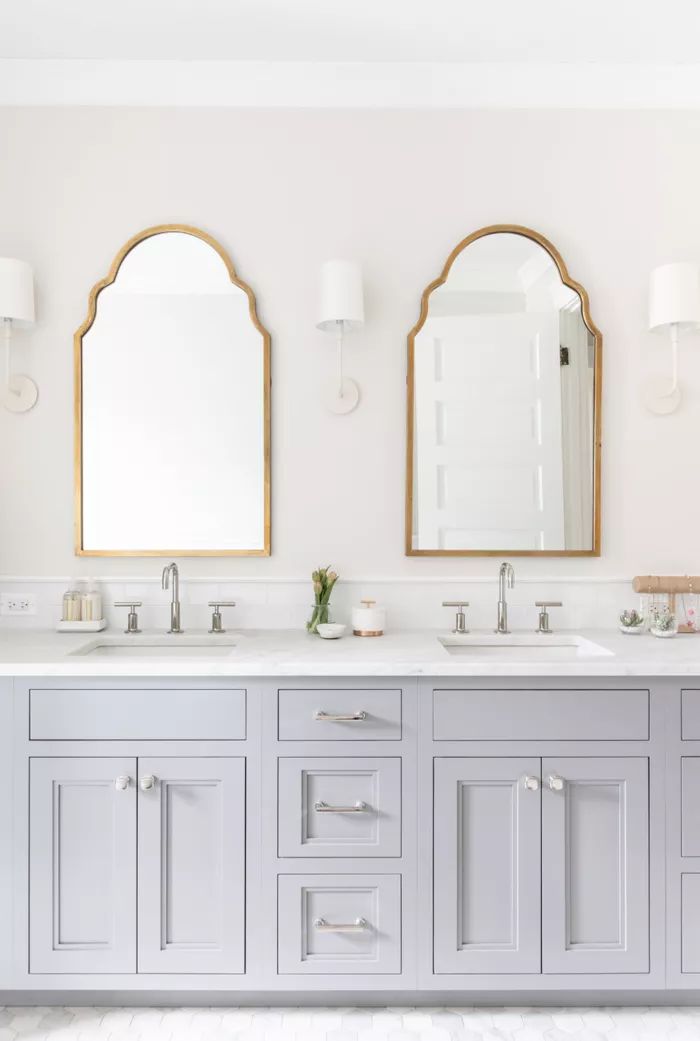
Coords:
349,1024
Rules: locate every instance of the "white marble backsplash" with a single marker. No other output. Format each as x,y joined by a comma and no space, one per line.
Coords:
286,603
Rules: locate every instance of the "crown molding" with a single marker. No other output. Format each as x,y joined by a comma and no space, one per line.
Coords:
364,85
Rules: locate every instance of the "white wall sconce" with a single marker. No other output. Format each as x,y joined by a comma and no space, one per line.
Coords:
18,393
341,310
674,307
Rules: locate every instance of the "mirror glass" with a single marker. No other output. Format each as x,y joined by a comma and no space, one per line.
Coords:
173,405
504,392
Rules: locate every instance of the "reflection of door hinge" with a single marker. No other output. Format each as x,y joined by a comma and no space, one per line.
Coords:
563,356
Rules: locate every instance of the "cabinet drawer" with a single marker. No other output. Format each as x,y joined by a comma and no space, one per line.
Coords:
690,715
349,924
137,715
339,807
348,714
541,715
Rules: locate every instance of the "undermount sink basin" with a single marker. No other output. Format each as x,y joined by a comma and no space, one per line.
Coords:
158,647
522,646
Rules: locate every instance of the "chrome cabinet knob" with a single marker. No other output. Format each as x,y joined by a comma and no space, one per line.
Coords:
531,783
147,782
122,783
556,783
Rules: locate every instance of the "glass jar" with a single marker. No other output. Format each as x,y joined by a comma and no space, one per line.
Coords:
320,615
72,605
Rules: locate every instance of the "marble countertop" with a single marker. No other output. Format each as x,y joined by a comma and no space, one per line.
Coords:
42,653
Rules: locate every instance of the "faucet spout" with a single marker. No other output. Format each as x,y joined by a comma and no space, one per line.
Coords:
171,576
506,577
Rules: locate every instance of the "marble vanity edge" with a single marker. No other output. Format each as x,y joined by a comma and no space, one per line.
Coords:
287,653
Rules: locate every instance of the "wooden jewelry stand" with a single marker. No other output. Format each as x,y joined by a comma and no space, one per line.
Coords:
671,586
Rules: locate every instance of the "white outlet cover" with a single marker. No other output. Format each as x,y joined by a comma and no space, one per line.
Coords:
17,604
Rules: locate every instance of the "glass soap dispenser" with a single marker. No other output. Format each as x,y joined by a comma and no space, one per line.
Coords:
91,602
72,605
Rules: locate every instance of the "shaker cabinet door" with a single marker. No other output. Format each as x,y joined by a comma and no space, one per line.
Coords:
595,865
82,865
487,865
191,863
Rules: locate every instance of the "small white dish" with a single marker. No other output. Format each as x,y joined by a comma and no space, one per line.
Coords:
631,630
331,630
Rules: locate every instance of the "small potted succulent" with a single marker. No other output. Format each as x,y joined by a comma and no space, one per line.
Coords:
631,623
664,624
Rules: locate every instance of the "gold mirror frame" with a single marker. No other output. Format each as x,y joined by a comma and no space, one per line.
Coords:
512,229
160,229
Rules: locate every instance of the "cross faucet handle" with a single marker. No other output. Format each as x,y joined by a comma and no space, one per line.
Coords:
460,617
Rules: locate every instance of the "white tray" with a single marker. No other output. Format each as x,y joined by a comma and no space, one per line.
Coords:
82,627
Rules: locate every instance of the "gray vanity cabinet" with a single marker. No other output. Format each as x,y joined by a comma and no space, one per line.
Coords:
571,833
595,865
191,865
110,836
375,835
82,865
487,865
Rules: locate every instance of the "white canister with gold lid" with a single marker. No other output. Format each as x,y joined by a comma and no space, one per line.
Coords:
368,619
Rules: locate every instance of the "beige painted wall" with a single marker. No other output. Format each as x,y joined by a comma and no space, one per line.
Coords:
616,192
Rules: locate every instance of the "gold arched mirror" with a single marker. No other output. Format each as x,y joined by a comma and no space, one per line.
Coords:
504,392
172,399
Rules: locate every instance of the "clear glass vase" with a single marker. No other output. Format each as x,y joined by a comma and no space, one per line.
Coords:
320,614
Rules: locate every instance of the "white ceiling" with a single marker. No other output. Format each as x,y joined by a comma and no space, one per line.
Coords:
639,31
352,53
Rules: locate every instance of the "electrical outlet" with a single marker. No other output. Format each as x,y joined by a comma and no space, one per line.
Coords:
16,604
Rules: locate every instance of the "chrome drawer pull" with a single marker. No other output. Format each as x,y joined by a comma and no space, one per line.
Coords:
323,807
358,926
329,717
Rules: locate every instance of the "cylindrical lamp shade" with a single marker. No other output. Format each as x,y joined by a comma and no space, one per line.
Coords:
341,304
674,297
16,290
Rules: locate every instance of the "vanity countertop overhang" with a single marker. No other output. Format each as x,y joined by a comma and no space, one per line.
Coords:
42,653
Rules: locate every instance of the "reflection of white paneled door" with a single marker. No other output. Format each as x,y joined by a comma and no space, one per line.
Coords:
488,466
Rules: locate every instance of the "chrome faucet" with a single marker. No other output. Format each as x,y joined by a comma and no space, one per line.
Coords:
171,570
506,577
